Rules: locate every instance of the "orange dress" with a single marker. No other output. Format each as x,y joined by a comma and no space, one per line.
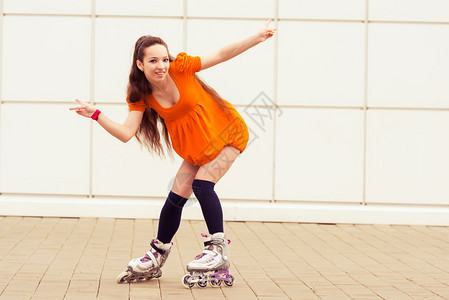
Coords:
198,127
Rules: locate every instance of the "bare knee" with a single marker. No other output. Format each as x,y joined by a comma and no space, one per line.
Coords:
218,167
183,192
182,184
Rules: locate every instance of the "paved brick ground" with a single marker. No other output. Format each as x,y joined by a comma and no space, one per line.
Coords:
63,258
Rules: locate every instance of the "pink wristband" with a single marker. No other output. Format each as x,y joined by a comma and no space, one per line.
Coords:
95,115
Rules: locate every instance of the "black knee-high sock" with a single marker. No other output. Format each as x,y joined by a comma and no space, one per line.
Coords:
210,205
170,217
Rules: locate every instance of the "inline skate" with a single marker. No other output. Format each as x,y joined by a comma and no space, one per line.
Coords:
148,266
212,265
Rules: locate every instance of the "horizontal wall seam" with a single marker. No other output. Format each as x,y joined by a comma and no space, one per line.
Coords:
278,106
279,202
181,17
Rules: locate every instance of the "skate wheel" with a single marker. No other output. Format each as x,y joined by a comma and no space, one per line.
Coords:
145,278
122,278
186,283
215,282
202,282
158,274
229,281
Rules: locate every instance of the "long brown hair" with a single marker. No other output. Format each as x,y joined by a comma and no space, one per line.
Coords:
139,88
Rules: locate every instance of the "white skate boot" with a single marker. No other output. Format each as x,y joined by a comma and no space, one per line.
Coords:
212,265
148,266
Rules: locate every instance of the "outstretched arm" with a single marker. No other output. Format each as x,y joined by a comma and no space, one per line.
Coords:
237,48
123,132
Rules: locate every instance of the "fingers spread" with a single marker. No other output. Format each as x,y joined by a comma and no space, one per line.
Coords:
77,108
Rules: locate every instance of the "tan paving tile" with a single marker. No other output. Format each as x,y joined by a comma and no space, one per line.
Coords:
82,289
55,289
13,297
73,258
13,233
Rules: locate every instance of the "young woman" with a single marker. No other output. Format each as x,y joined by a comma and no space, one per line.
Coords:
165,94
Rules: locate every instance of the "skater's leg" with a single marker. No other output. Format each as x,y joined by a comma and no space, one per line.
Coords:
204,183
170,217
215,257
149,265
210,205
182,184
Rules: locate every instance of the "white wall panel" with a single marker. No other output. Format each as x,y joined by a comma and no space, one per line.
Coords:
251,175
231,8
47,6
114,49
322,9
408,65
127,169
46,58
407,157
409,10
140,7
242,78
320,63
310,159
319,155
44,150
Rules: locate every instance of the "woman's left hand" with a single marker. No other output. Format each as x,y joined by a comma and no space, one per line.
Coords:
265,33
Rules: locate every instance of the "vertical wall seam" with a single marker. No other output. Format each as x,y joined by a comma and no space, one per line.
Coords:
184,27
92,93
1,80
365,101
275,97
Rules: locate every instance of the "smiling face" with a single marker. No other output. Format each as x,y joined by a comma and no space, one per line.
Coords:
155,63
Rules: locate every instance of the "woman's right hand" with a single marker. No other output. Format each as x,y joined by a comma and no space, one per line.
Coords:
264,32
84,109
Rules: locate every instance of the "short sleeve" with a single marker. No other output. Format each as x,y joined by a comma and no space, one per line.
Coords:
139,105
186,64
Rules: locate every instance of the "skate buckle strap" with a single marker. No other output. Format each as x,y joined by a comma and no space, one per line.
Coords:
204,253
215,242
150,256
153,245
199,256
208,243
147,257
